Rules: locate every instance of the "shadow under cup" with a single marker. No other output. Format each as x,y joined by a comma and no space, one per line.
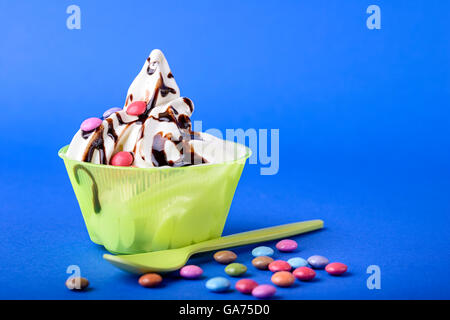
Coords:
135,210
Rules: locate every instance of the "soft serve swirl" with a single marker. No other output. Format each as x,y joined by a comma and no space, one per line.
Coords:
154,127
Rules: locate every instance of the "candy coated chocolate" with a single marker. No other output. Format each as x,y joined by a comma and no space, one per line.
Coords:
110,111
297,262
304,273
264,291
225,256
235,269
246,286
283,278
150,280
90,124
318,262
262,251
286,245
136,108
122,159
262,262
77,283
191,272
279,265
218,284
336,268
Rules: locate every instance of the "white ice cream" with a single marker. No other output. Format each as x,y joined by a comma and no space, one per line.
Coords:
161,136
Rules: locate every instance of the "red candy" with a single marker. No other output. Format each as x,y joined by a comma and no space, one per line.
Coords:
122,159
246,286
279,265
304,273
336,268
137,108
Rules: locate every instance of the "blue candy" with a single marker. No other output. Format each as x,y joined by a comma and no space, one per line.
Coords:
262,251
218,284
297,262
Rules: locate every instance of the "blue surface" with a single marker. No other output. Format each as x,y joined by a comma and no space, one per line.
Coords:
364,134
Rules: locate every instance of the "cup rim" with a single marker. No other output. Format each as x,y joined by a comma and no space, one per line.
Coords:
248,153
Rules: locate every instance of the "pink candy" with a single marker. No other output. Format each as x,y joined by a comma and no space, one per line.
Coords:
287,245
122,159
90,124
191,272
137,108
336,268
264,291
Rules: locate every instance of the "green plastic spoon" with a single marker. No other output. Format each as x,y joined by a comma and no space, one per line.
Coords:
174,259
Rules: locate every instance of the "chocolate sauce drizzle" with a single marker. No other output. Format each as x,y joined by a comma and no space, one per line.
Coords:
96,143
168,116
150,70
184,122
86,134
189,103
95,200
159,157
111,132
188,155
164,90
119,118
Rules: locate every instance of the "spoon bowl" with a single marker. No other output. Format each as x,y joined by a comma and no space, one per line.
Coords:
160,261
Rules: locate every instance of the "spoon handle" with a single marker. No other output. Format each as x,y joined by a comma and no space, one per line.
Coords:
259,235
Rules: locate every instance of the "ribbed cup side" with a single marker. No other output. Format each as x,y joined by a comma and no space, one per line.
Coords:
140,210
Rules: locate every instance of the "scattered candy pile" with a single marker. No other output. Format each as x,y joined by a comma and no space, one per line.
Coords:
282,276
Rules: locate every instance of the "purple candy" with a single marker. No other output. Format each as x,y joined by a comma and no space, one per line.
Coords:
264,291
110,111
191,272
90,124
318,262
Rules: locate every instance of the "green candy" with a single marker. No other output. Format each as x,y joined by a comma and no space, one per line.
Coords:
235,269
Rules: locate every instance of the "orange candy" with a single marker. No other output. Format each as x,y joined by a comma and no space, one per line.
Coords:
150,280
283,279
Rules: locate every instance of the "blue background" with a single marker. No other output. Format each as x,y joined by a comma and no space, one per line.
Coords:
363,118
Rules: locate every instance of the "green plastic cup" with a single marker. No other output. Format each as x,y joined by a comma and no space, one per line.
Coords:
135,210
